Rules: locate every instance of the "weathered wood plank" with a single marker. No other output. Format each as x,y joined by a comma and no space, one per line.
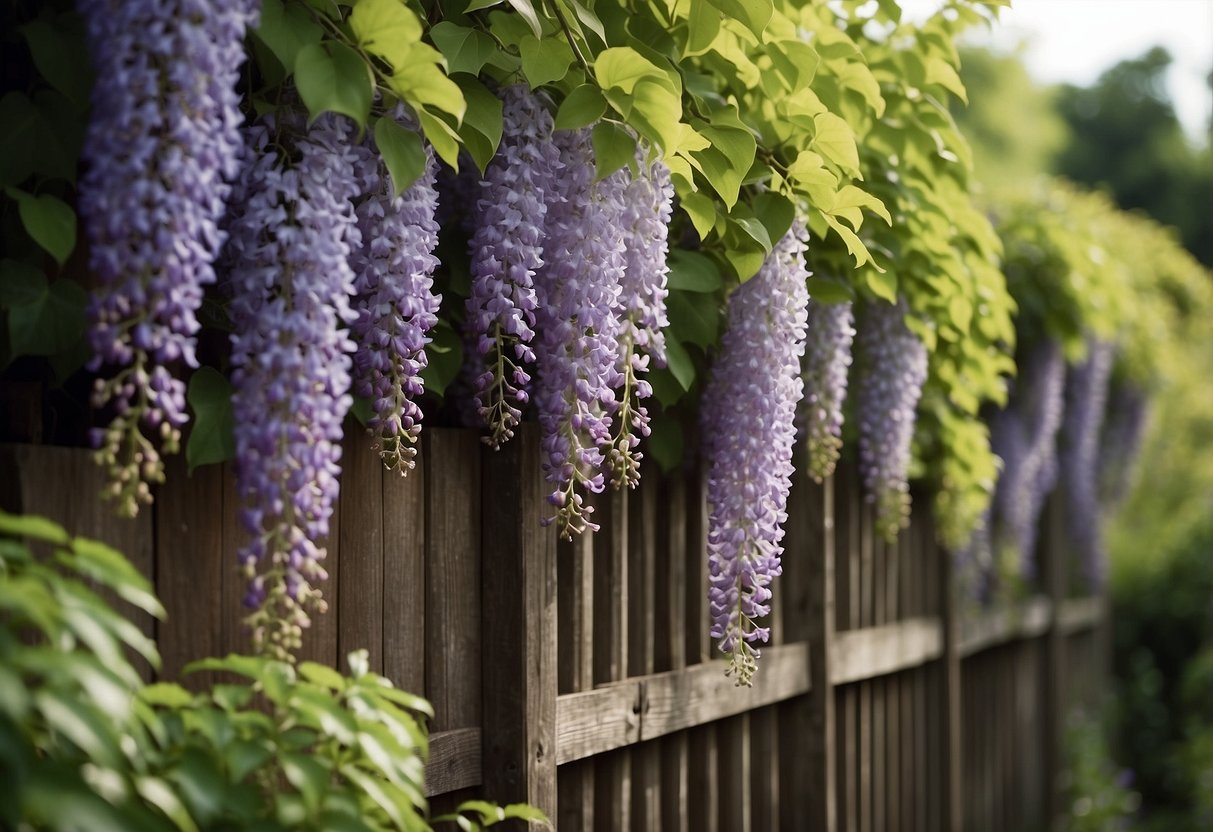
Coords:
404,588
454,761
596,721
642,619
732,737
999,626
877,651
359,609
815,769
704,780
613,773
518,627
452,569
670,648
1078,614
951,772
576,669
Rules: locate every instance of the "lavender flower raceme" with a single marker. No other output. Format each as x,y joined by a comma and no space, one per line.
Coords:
292,232
827,355
1024,436
506,251
395,303
749,428
1086,395
892,368
578,290
648,202
162,143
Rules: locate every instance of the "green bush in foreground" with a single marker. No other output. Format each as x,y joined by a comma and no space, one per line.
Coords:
85,744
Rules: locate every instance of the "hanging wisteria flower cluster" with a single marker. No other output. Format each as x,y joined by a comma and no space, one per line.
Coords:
1024,436
827,357
161,146
892,368
506,252
1086,396
749,415
292,232
395,302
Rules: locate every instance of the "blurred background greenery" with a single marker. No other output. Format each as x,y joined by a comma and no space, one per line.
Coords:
1151,765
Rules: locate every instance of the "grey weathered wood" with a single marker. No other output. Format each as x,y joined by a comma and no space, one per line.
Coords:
704,780
821,736
670,648
404,586
1053,575
360,591
454,761
996,627
878,651
1078,614
452,599
613,774
733,739
951,762
642,619
576,662
518,627
596,721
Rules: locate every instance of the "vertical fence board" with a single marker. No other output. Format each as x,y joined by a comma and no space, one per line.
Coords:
518,623
360,591
613,773
702,748
732,736
404,585
576,669
670,648
641,614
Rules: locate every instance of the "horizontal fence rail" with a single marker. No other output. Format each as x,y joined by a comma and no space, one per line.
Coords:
580,676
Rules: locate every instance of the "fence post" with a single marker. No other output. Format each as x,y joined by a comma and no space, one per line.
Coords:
1053,575
518,628
952,769
823,795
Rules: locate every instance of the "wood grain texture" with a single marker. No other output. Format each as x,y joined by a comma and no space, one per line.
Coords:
360,543
404,584
878,651
454,761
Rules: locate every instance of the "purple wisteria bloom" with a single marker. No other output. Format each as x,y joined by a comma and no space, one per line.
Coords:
827,356
648,203
507,249
892,366
1024,436
578,290
395,302
749,429
162,143
291,234
1086,396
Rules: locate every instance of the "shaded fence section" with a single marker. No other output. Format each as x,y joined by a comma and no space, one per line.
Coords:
580,676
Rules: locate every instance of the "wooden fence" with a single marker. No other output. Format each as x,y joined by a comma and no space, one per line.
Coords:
580,677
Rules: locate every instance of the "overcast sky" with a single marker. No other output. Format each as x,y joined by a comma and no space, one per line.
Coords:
1075,40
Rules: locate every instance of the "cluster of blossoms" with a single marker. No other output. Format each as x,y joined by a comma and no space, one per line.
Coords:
395,302
1086,396
892,369
749,428
162,144
507,249
292,231
647,205
1024,436
827,357
578,290
1124,428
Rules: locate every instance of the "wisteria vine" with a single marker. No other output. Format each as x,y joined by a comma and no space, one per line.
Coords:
1086,396
292,232
827,357
748,433
161,146
892,364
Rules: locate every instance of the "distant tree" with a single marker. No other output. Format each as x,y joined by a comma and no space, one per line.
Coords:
1125,136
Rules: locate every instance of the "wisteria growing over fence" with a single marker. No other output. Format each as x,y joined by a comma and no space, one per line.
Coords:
892,366
395,303
827,357
749,415
1125,422
292,232
161,146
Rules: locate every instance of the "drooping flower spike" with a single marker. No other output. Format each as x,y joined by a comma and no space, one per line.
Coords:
827,356
162,144
749,415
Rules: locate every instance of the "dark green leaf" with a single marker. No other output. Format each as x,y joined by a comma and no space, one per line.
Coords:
481,128
211,437
32,526
694,317
49,221
527,12
110,567
665,442
545,61
402,151
775,212
614,148
58,49
824,290
53,321
444,362
679,362
691,271
332,77
582,107
287,29
465,49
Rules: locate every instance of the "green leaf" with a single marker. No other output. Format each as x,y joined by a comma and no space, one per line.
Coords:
582,107
656,112
882,285
665,442
49,221
835,140
43,318
388,29
441,136
702,211
614,148
754,230
212,437
621,67
728,160
481,128
402,151
523,811
465,49
586,18
58,49
307,775
753,14
691,271
826,291
940,72
545,61
775,212
322,675
694,317
110,567
287,30
34,527
854,245
477,5
332,77
679,363
527,12
703,25
445,358
166,695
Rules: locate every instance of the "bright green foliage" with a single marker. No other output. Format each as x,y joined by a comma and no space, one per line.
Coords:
84,744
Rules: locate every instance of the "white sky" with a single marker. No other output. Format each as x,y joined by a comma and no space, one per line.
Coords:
1075,40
